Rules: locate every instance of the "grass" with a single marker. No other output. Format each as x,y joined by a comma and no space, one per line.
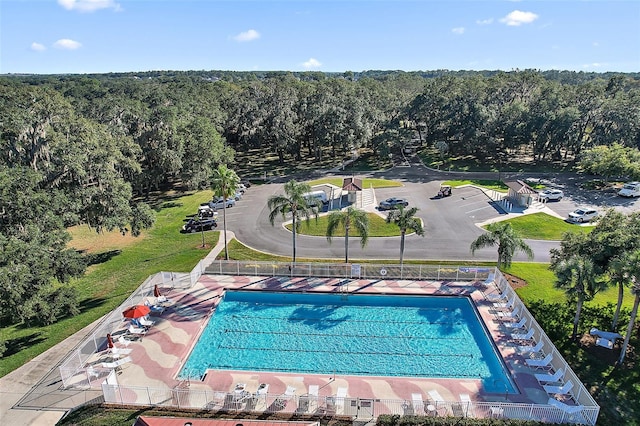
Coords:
541,226
366,182
121,265
378,227
496,185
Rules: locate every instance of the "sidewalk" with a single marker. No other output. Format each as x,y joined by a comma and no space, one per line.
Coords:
32,394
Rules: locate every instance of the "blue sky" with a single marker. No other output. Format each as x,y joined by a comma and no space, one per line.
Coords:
100,36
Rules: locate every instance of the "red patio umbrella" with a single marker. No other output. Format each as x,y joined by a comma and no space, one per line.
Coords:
109,341
136,311
156,291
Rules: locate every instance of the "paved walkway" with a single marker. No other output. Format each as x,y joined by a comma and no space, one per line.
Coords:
32,394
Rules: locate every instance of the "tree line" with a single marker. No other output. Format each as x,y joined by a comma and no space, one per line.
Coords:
90,149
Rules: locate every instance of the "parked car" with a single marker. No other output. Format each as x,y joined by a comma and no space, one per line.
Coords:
206,211
241,188
246,183
392,203
582,215
218,203
630,189
550,195
197,225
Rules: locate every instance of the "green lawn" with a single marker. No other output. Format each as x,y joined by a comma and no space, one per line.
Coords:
366,182
541,226
378,227
496,185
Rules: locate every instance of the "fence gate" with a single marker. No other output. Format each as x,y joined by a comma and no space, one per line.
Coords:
365,409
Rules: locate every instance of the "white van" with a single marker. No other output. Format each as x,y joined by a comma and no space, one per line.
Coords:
317,195
631,189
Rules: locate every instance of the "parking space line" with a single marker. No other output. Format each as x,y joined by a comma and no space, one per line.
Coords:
481,208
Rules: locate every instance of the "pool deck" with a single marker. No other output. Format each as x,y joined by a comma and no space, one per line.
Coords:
158,356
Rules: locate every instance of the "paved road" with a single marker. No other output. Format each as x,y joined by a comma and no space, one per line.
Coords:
451,224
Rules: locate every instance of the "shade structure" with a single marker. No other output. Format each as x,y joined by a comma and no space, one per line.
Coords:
156,291
109,341
136,311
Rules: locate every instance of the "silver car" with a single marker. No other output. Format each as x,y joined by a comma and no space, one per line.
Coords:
550,195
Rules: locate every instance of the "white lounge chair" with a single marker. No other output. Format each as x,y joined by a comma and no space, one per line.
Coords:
523,336
569,409
514,325
559,390
418,403
531,349
124,342
550,378
92,372
465,398
146,322
134,330
116,364
539,363
120,351
605,343
505,305
438,400
508,315
282,400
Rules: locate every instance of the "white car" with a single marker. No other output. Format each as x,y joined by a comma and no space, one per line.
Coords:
631,189
582,215
551,195
218,203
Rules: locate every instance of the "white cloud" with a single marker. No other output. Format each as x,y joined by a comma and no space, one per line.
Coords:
458,30
484,21
311,63
89,5
247,36
518,17
67,44
594,65
37,47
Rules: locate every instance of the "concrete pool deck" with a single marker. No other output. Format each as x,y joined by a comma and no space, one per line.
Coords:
157,358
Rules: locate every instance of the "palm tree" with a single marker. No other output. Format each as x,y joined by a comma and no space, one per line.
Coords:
224,184
508,242
633,274
617,277
295,202
578,278
349,217
406,220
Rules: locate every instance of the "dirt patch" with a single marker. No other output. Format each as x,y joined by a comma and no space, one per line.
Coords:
514,282
88,240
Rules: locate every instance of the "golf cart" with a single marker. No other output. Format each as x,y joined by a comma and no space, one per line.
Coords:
445,191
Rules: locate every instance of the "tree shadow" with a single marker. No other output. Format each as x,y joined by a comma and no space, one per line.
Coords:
89,304
16,345
98,258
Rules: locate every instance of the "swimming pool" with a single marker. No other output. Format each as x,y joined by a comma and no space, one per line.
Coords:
369,335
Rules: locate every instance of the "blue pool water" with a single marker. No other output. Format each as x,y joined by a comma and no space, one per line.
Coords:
371,335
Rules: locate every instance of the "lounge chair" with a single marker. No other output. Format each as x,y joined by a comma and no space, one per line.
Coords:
531,349
605,343
550,378
539,363
116,365
120,351
505,305
418,403
508,315
124,342
162,299
282,400
523,336
559,390
146,322
569,409
136,331
92,372
438,400
514,325
466,399
155,309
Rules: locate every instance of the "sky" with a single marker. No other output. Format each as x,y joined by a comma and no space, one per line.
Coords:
103,36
